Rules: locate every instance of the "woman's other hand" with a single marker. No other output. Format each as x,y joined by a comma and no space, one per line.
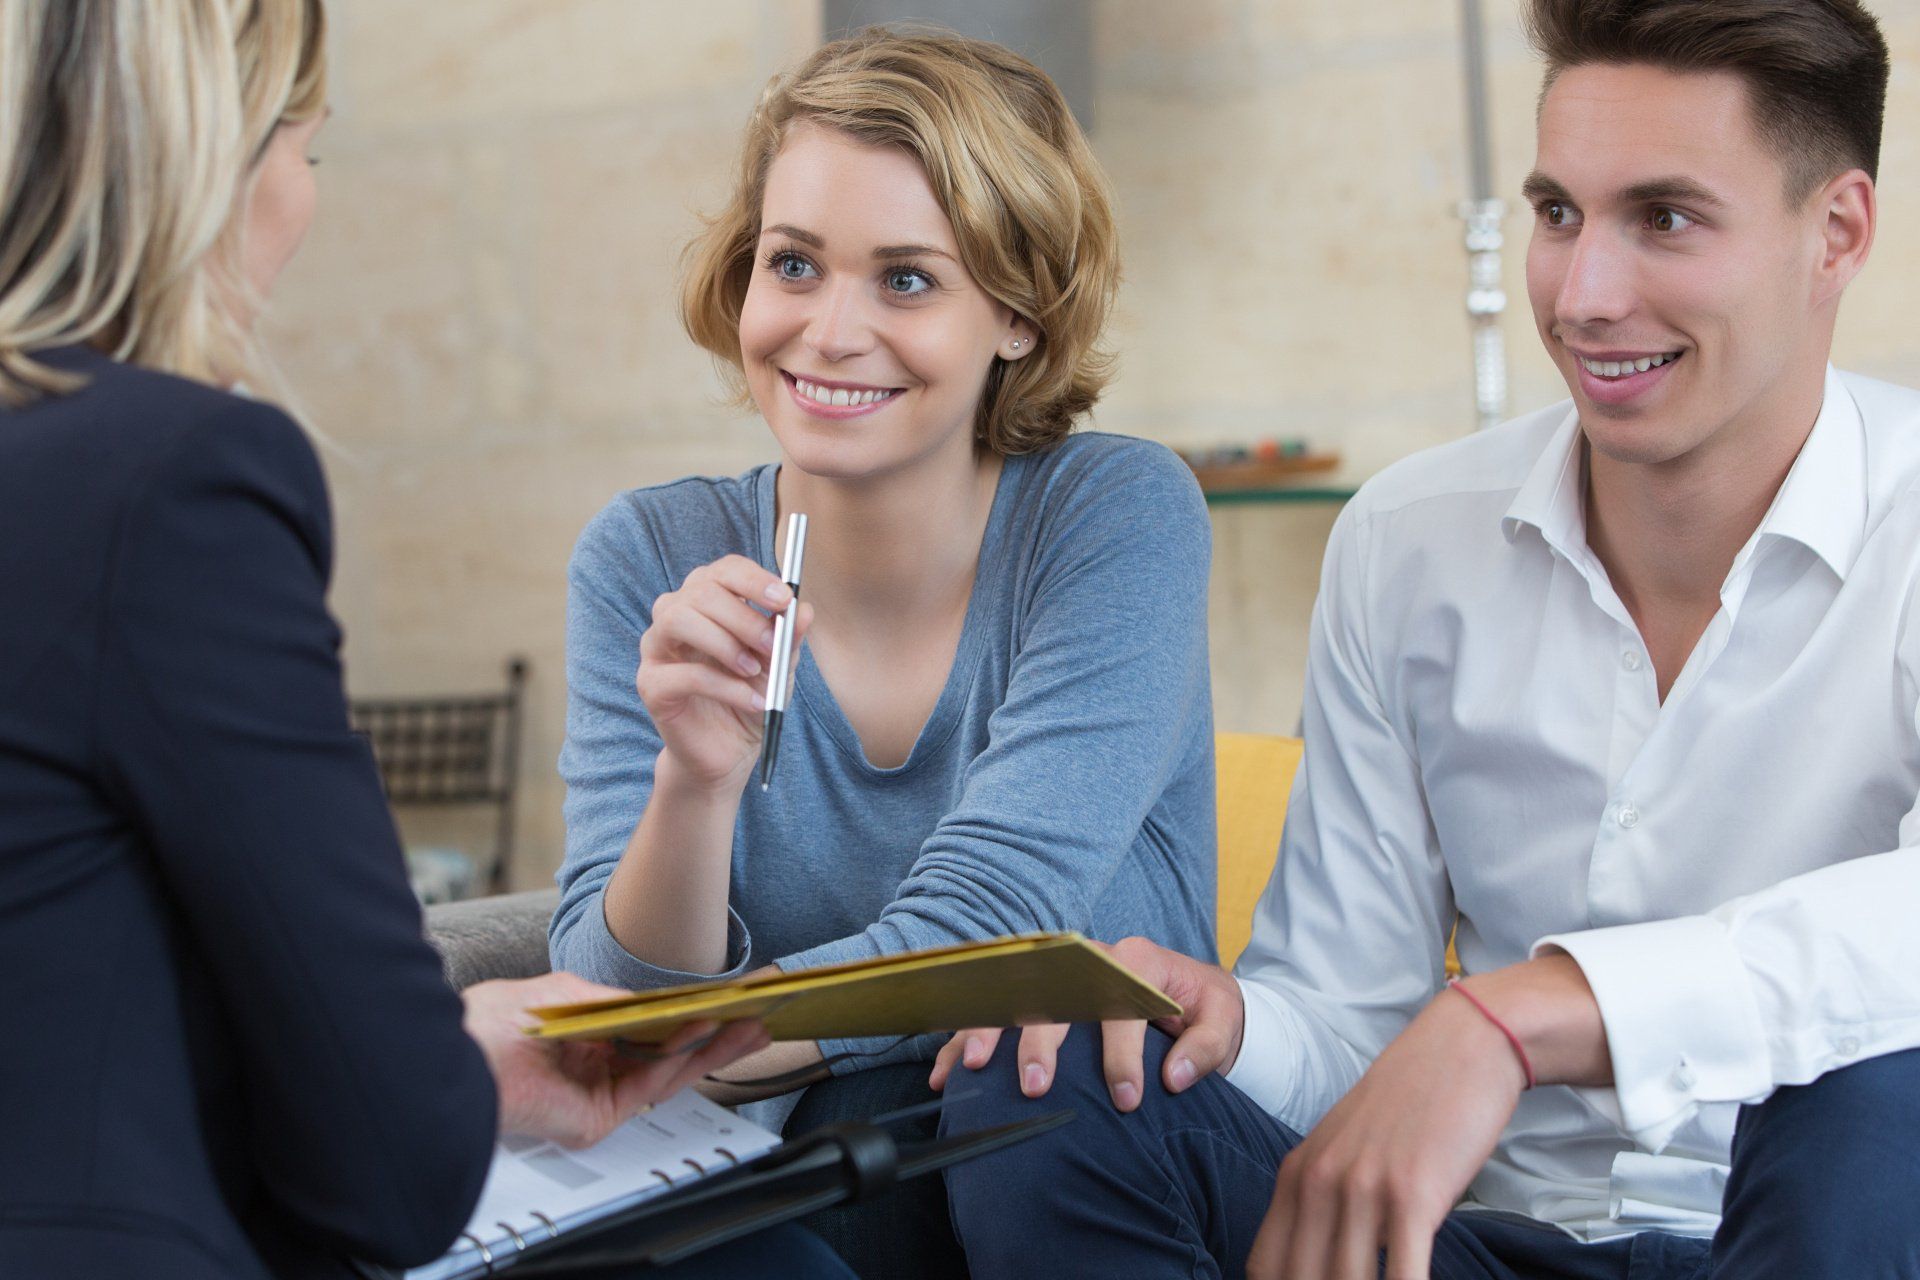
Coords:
577,1092
1206,1033
703,668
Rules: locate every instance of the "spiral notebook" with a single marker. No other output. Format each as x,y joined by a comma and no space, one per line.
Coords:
539,1189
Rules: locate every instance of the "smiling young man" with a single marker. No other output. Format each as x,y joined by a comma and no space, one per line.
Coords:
1628,689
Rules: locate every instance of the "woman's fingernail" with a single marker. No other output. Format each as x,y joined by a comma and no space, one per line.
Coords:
1036,1079
1126,1095
759,702
766,637
748,664
777,592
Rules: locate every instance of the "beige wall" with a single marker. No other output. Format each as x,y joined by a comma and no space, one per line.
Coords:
482,321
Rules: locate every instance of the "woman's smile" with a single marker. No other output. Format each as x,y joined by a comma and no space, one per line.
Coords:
838,399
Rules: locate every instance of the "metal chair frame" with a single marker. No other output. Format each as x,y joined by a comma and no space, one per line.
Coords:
450,752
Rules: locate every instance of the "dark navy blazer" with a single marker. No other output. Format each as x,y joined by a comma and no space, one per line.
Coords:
225,1049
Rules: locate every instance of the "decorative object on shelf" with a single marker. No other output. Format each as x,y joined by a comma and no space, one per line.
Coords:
451,751
1265,464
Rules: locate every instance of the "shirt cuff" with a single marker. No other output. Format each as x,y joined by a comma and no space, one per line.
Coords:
1263,1070
595,954
1683,1027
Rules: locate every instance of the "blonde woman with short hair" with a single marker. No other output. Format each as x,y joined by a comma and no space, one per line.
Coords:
231,1054
1000,721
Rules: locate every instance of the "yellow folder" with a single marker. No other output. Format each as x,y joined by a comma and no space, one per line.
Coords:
1003,982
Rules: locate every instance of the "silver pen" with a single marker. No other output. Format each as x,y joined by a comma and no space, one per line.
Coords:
780,663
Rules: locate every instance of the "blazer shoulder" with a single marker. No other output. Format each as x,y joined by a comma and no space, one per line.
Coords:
132,422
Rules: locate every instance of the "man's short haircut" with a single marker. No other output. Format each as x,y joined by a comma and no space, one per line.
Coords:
1815,70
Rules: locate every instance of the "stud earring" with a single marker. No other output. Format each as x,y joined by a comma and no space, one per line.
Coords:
1018,343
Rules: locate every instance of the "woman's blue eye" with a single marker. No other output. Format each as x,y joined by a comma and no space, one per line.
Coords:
791,266
908,282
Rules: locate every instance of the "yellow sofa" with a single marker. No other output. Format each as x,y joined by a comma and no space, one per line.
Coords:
1254,776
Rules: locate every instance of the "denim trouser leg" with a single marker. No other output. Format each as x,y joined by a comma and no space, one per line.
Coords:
1826,1179
1825,1185
1176,1188
903,1233
1180,1187
779,1253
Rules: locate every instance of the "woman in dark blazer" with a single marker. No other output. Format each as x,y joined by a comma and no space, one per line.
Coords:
228,1050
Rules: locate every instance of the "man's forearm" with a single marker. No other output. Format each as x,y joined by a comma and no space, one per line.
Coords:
1547,1003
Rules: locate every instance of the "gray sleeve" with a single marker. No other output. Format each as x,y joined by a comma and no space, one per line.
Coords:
608,759
1109,677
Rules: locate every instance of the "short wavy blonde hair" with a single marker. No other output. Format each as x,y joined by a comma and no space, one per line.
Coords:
129,131
1012,172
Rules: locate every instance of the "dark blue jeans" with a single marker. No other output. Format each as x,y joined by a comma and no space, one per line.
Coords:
779,1253
1825,1183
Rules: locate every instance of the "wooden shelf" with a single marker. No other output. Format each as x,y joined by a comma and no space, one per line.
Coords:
1282,479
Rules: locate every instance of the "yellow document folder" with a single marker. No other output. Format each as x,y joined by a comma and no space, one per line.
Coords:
1040,977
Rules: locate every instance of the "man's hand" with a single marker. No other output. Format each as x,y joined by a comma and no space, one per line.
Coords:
1384,1168
575,1092
1206,1035
1388,1163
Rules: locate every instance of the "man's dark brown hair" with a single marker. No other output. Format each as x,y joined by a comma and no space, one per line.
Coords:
1815,70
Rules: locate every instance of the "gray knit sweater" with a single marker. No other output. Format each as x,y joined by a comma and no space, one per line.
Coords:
1064,779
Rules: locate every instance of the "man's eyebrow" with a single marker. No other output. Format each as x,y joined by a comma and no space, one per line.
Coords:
807,238
1540,189
1685,190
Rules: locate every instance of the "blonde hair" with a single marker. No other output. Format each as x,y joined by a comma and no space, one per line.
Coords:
129,131
1012,172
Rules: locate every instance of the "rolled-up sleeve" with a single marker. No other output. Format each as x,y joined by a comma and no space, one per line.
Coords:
1770,989
609,757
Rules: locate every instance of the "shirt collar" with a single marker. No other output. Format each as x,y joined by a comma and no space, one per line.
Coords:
1552,498
1822,504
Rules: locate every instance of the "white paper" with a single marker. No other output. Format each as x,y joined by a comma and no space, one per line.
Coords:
678,1141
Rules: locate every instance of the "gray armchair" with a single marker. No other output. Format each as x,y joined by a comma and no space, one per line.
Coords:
499,937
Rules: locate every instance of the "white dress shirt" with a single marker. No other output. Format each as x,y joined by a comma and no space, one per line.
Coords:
1737,870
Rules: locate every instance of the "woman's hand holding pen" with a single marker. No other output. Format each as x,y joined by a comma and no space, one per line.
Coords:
703,668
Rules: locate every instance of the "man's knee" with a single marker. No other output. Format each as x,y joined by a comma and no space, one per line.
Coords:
992,1095
990,1191
1825,1177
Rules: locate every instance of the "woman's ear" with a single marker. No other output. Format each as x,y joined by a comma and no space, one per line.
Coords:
1019,339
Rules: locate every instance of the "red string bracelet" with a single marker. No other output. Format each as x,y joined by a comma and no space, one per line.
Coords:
1526,1063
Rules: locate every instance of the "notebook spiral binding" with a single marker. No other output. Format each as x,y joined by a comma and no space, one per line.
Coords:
494,1259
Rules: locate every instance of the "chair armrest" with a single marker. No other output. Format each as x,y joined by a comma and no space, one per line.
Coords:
498,937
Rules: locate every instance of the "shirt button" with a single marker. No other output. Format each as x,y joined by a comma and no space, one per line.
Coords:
1630,660
1848,1047
1627,816
1683,1076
